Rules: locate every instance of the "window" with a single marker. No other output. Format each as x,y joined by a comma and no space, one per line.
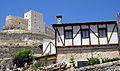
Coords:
102,32
82,63
85,33
68,33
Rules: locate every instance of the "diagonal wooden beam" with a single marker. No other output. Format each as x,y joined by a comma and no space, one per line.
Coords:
59,35
111,33
52,44
46,48
98,34
107,34
76,34
93,33
50,47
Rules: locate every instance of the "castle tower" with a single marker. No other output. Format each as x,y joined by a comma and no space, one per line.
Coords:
35,21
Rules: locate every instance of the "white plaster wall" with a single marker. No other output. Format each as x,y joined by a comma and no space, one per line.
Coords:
85,41
84,27
103,40
93,38
102,25
61,31
68,42
68,28
53,49
77,39
114,37
110,28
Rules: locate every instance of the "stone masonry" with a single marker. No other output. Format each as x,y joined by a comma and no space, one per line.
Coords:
81,54
24,37
109,66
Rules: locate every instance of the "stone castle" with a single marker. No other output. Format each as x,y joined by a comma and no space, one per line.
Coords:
19,33
22,31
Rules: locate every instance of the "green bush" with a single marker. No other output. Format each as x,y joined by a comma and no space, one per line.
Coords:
38,64
93,61
115,59
22,57
106,60
72,61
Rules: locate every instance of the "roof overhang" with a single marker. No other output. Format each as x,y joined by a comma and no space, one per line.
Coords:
88,23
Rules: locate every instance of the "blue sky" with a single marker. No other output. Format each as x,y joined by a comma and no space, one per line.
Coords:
76,11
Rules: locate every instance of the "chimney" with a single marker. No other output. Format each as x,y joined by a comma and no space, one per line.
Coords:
59,19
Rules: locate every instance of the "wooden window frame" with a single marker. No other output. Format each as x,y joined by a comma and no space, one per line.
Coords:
85,30
105,32
71,34
82,62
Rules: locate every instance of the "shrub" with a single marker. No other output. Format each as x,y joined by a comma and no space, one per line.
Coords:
93,61
38,64
22,57
106,60
115,59
72,61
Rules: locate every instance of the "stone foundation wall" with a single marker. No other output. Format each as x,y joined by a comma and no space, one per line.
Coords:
81,54
24,36
8,52
109,66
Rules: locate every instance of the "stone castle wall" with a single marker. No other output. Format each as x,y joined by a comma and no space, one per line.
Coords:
49,31
17,23
13,22
81,54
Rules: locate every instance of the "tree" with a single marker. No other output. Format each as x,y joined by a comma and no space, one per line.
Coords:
22,57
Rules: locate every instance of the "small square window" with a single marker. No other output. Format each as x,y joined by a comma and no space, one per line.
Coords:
102,32
68,33
82,63
85,33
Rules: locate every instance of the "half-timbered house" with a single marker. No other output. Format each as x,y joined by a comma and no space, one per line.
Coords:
85,40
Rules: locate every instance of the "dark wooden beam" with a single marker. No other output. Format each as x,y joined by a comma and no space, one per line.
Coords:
64,34
72,36
59,35
82,46
107,34
98,34
89,36
81,34
111,33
